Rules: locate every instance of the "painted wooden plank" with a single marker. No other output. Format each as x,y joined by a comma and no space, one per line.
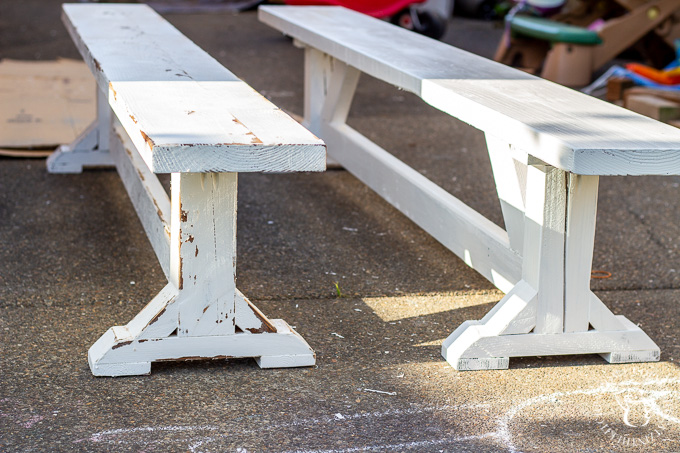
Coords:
104,118
146,193
515,313
158,319
316,87
328,91
181,108
543,256
249,318
562,127
479,242
472,347
600,317
510,178
203,251
341,83
578,255
329,88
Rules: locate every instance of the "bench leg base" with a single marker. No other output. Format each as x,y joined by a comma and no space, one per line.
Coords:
471,347
492,363
117,353
286,361
66,160
119,369
89,149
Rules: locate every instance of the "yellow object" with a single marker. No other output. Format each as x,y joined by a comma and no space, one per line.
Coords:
653,13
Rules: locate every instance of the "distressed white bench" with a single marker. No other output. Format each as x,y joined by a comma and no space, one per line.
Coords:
547,145
177,110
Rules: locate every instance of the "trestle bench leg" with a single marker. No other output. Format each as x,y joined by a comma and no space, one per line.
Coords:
551,310
90,149
200,314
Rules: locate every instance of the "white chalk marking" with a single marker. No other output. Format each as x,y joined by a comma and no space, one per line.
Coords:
604,389
380,391
101,435
32,421
112,436
396,447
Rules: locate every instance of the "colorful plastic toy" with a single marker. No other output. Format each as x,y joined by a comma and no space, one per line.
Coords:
404,13
568,51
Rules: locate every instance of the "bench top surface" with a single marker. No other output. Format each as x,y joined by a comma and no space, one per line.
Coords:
558,125
182,109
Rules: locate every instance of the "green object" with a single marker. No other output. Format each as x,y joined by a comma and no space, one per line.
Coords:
549,30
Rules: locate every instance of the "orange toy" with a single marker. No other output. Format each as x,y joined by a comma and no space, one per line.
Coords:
663,77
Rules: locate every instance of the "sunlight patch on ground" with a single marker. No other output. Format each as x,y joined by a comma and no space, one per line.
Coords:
396,308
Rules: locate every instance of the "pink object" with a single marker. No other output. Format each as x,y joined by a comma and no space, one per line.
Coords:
597,25
375,8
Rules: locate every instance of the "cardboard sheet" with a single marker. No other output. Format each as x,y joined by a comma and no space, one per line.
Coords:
43,104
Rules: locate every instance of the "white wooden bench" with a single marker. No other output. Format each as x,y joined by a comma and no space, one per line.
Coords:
177,110
547,145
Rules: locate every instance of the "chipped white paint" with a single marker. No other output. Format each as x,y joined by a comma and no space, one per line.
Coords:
178,110
547,144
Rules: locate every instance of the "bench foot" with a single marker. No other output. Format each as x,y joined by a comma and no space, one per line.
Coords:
649,355
119,369
89,149
473,347
67,160
493,363
119,353
286,361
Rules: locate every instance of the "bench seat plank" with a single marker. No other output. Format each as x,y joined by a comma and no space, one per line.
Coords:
182,109
557,125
